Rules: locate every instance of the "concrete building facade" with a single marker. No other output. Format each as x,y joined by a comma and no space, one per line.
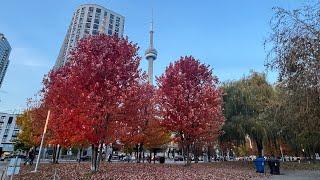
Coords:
8,131
5,50
89,19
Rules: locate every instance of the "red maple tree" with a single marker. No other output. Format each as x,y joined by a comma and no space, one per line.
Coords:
87,94
139,111
190,102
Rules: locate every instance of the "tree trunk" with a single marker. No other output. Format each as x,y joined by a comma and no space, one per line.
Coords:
259,148
196,153
173,151
188,156
209,154
141,153
54,153
138,153
143,156
150,157
80,155
58,155
94,162
100,154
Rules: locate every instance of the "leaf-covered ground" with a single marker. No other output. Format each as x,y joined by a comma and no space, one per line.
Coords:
219,170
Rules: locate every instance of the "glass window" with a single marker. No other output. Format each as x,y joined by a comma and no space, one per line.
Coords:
105,14
8,126
88,25
98,10
94,32
110,26
96,21
6,132
10,120
95,26
110,32
4,138
86,31
15,133
90,9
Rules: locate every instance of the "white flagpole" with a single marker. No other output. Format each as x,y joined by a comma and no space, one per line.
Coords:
44,132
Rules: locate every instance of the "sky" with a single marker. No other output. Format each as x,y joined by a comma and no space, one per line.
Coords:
228,35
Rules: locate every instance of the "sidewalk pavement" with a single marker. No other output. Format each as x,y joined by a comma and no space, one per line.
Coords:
297,175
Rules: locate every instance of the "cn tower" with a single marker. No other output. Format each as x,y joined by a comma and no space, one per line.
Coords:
151,55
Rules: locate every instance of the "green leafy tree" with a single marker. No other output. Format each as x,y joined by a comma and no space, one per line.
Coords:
245,102
294,52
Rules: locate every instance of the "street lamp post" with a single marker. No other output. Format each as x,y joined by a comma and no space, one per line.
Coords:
42,139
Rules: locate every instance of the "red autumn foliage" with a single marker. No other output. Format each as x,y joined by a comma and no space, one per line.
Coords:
142,128
87,94
138,110
37,112
190,101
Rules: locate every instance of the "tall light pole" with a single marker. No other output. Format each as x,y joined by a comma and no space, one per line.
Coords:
151,55
42,139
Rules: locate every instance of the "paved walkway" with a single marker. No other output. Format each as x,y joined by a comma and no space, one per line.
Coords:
3,165
297,175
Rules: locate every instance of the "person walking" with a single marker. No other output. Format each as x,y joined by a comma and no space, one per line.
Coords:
31,155
109,158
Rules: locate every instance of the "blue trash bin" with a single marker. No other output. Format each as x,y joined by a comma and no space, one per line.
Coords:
259,163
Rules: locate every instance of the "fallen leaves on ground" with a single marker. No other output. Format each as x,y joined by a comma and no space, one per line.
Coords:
144,171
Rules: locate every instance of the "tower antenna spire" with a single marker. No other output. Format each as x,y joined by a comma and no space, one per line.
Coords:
151,30
152,19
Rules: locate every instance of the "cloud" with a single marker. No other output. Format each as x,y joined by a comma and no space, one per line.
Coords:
28,57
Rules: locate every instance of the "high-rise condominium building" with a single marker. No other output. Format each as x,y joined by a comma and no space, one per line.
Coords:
5,49
89,19
8,131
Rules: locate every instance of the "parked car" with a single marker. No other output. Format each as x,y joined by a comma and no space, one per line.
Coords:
155,158
127,158
115,158
85,158
178,158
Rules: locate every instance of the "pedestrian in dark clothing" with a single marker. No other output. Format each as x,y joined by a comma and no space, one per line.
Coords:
31,156
109,158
